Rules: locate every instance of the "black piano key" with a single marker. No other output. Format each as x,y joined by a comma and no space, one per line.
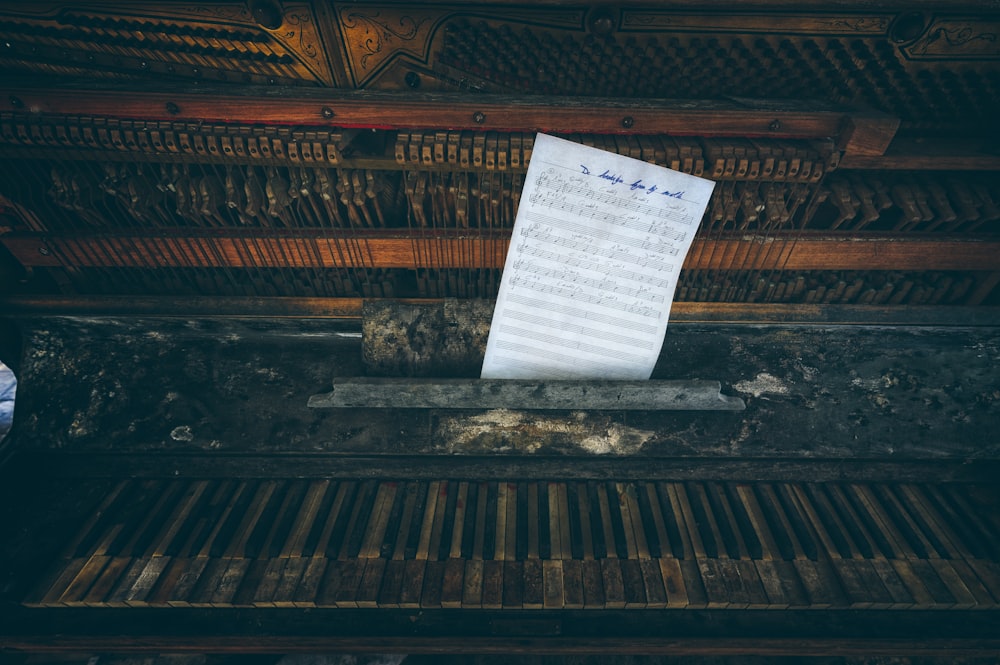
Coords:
648,522
781,538
576,534
448,525
713,491
670,523
870,523
339,535
233,519
830,521
286,518
388,545
596,522
490,537
359,521
902,525
181,544
322,514
798,521
544,523
159,514
521,539
133,516
392,583
115,512
846,516
979,540
469,527
743,523
617,525
416,523
261,530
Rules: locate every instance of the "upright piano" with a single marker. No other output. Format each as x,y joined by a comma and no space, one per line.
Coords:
209,212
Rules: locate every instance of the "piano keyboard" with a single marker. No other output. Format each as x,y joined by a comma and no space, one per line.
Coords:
530,545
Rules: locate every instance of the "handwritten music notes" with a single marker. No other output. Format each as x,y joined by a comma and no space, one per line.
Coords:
597,244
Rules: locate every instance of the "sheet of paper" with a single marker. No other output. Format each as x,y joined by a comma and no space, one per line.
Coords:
597,245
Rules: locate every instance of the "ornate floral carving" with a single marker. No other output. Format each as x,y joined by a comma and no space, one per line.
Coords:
373,32
958,40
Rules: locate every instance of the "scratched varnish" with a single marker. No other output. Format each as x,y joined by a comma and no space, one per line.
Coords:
530,545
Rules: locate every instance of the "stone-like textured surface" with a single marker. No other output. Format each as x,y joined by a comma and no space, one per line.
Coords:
243,385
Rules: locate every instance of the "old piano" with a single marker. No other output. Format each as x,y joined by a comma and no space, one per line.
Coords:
208,212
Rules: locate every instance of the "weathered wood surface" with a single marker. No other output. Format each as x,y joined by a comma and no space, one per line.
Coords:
389,393
455,249
225,385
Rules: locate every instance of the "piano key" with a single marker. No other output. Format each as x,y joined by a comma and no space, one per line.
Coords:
291,576
350,573
140,533
307,590
183,590
393,539
228,582
553,579
727,521
683,518
392,583
106,582
371,583
204,587
374,534
489,526
753,586
599,500
988,573
266,586
817,578
583,513
860,582
653,586
493,584
559,510
621,549
91,529
717,593
705,519
427,520
908,518
510,538
326,528
647,518
458,530
946,572
673,582
360,516
500,538
282,520
245,527
139,592
472,583
533,589
173,524
573,595
635,536
633,585
986,532
442,542
946,539
413,583
593,584
452,585
474,531
614,585
963,531
528,526
513,580
398,534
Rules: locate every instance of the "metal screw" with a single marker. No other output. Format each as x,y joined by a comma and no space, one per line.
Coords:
173,109
44,251
327,112
143,64
479,117
628,121
774,126
272,81
412,79
16,102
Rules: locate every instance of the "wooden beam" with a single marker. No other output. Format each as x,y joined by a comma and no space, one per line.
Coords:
324,108
307,249
350,309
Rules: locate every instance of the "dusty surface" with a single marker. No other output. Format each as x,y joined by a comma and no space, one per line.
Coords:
242,385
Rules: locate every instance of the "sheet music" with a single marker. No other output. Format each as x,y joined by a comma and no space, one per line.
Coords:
597,245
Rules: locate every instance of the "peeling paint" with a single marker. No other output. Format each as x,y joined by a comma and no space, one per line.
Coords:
504,430
762,384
